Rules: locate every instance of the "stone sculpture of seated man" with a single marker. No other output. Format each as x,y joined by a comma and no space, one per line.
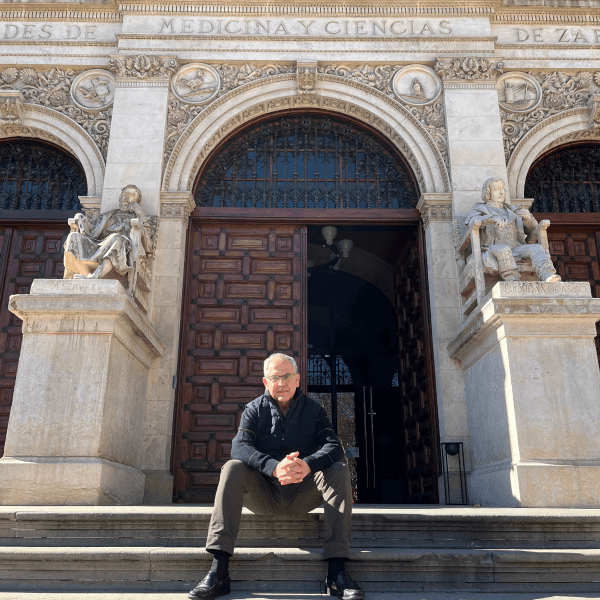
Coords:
508,233
99,248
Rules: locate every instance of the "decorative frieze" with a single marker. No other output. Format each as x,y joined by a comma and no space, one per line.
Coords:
560,92
143,66
228,77
11,107
52,88
420,93
307,77
435,207
594,104
468,68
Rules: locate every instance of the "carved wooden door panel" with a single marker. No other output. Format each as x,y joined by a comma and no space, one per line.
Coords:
25,254
417,385
245,298
575,254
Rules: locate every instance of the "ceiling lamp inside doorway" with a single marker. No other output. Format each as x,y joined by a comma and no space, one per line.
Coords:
337,252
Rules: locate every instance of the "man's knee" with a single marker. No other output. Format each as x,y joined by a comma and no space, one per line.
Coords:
233,469
338,471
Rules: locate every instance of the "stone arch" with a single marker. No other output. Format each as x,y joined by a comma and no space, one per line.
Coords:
334,94
567,126
39,122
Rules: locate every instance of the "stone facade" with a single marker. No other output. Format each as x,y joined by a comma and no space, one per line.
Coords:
141,94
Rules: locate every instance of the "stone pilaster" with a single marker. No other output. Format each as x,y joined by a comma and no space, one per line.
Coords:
475,144
436,211
135,151
165,313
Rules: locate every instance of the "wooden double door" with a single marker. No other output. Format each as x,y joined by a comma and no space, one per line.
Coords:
27,252
244,299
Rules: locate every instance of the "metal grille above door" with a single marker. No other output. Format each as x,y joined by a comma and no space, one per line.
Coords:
567,180
244,299
307,161
37,176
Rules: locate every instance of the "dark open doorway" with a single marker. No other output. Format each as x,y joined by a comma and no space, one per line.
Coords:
356,354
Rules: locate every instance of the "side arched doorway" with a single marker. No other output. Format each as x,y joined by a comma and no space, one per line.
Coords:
39,188
565,186
262,199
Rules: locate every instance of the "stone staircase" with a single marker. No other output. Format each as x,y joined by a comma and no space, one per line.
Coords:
400,549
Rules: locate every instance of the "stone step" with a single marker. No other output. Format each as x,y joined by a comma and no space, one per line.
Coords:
373,527
301,569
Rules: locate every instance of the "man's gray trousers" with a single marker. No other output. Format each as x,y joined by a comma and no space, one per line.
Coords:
241,485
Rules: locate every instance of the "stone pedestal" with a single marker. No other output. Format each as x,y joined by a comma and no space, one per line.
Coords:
533,396
76,424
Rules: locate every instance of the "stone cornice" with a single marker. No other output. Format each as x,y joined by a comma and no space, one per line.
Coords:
298,8
52,13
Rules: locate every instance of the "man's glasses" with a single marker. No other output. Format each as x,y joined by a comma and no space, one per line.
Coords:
285,378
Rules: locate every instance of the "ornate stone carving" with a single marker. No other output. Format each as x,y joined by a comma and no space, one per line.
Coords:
433,118
469,68
435,207
176,210
307,78
518,92
180,113
93,89
52,88
379,77
389,79
119,241
417,85
594,104
560,92
196,84
11,107
143,66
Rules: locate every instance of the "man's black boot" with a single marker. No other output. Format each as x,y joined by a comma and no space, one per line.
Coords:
217,582
339,584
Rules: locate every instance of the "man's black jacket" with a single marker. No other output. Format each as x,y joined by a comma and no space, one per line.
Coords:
265,436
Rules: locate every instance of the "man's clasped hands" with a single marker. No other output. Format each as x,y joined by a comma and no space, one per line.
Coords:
291,469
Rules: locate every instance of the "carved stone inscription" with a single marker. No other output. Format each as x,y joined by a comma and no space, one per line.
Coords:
313,27
59,31
560,289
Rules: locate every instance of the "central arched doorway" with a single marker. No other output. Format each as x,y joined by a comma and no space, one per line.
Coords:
262,198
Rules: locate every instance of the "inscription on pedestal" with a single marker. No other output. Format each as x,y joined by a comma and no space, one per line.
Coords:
560,289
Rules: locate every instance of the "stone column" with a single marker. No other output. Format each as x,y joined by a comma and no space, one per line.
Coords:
135,150
166,315
442,274
75,430
533,395
475,145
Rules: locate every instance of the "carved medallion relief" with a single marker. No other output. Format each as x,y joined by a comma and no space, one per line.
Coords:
417,85
196,83
93,90
518,92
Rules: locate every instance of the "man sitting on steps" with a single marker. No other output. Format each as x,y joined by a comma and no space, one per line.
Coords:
285,460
